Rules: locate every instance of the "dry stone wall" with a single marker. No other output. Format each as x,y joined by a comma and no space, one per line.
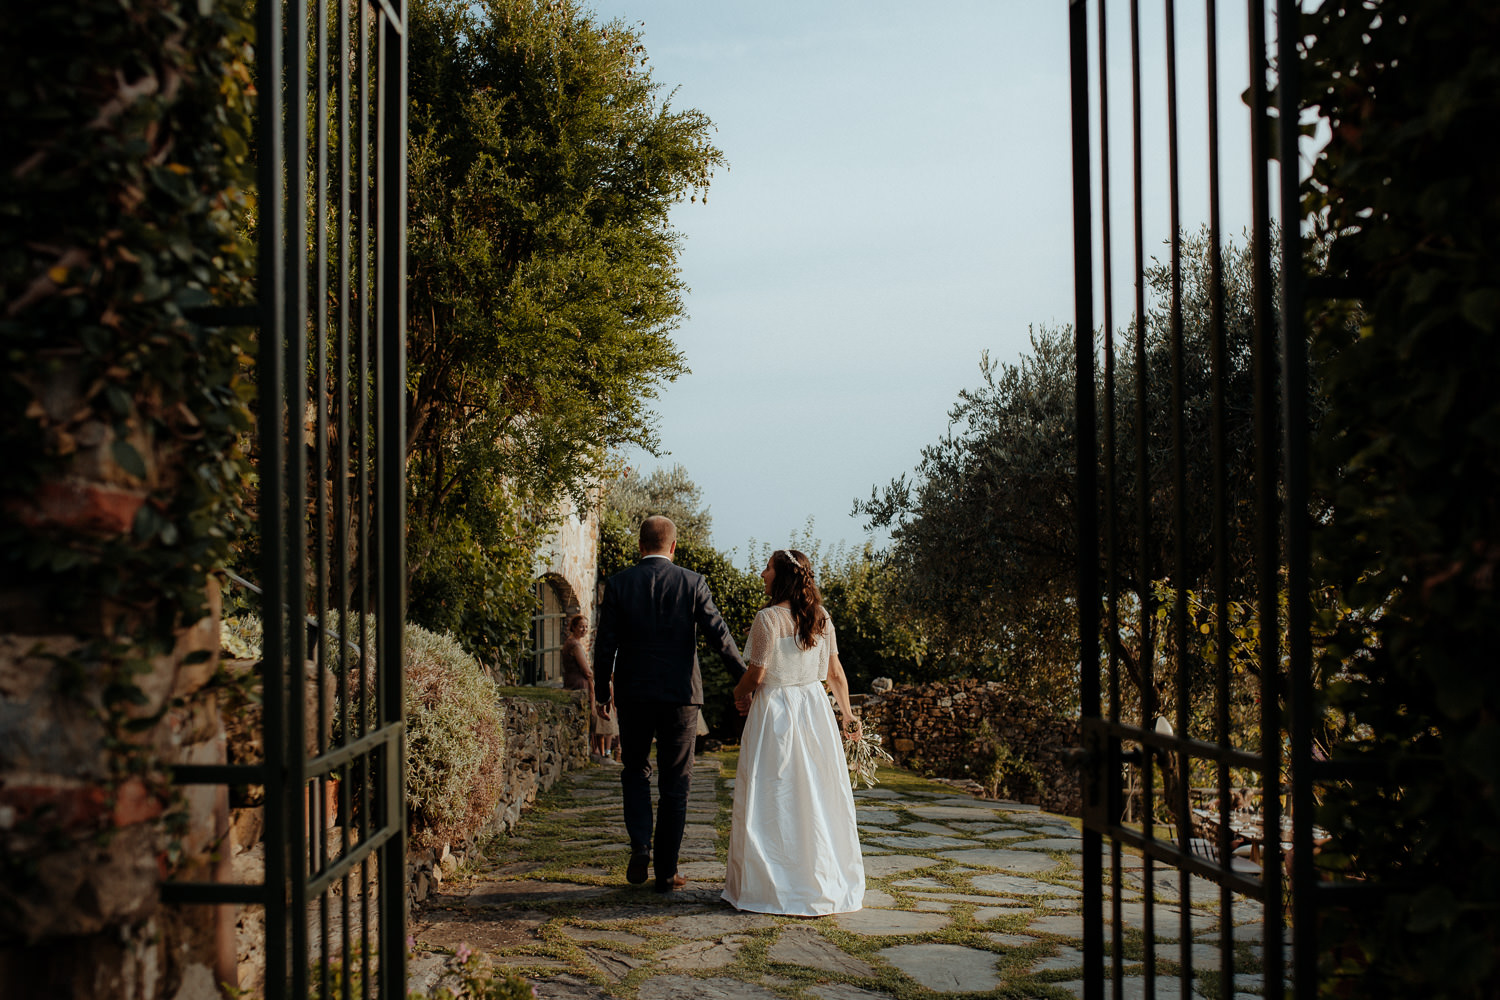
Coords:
937,728
86,843
544,739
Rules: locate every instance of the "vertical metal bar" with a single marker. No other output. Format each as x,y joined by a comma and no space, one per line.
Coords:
296,488
271,369
1220,509
1267,522
391,414
1110,762
364,464
1179,506
1298,558
1146,653
319,852
1087,461
341,479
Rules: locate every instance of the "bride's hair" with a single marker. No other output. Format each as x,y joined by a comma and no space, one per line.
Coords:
794,584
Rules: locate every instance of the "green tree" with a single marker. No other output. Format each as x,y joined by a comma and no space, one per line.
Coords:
668,492
1409,455
877,634
984,535
544,282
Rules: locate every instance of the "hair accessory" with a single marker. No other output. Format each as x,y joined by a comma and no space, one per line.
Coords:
789,557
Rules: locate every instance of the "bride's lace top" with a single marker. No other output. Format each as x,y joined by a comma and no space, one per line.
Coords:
773,645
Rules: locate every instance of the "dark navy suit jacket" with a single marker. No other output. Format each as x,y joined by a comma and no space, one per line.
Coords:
646,640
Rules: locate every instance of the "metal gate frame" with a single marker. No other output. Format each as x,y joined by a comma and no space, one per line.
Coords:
332,534
1281,545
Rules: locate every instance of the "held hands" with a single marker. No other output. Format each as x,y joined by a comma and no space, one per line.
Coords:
743,695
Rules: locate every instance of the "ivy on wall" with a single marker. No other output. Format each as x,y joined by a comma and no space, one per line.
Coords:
1407,199
124,191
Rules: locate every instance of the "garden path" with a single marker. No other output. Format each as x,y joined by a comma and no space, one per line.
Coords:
965,896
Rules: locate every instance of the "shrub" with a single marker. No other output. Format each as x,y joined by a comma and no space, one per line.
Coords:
454,738
454,723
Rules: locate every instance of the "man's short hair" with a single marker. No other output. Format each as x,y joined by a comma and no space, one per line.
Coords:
657,534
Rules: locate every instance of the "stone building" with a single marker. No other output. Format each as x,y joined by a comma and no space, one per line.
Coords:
567,573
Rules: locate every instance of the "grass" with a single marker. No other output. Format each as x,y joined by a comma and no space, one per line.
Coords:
558,696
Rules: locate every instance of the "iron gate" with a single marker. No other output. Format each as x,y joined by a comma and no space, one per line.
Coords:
330,500
1169,567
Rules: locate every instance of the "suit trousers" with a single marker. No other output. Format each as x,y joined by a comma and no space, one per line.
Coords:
675,729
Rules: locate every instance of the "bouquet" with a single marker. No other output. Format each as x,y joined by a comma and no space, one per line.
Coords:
865,756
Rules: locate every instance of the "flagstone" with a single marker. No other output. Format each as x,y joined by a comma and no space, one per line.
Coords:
878,899
925,827
875,817
931,906
1134,988
630,911
711,925
592,935
893,864
994,857
876,793
959,897
922,882
567,987
1049,844
1165,919
1013,804
984,914
1066,959
531,962
876,923
1063,924
693,988
1205,957
1063,904
843,991
927,843
1012,940
711,953
613,964
703,871
805,946
945,968
486,894
951,811
1020,885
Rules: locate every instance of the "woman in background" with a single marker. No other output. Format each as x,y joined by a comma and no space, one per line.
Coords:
576,674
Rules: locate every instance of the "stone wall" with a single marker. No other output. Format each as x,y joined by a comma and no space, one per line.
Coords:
85,838
544,739
935,729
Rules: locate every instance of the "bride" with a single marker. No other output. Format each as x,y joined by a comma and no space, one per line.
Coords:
793,847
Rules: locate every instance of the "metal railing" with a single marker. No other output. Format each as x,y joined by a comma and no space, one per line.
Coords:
331,378
1117,602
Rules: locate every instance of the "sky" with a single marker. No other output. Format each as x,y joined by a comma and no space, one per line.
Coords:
898,203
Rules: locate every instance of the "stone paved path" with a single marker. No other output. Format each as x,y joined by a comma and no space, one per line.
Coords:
965,896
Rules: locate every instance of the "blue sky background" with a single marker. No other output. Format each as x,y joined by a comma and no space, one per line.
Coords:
898,203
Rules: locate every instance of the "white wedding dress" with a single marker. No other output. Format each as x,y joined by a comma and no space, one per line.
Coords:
793,846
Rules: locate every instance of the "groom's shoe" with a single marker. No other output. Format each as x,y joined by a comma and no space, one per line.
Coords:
635,872
671,884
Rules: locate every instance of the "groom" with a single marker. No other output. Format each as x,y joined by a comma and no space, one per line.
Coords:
646,641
